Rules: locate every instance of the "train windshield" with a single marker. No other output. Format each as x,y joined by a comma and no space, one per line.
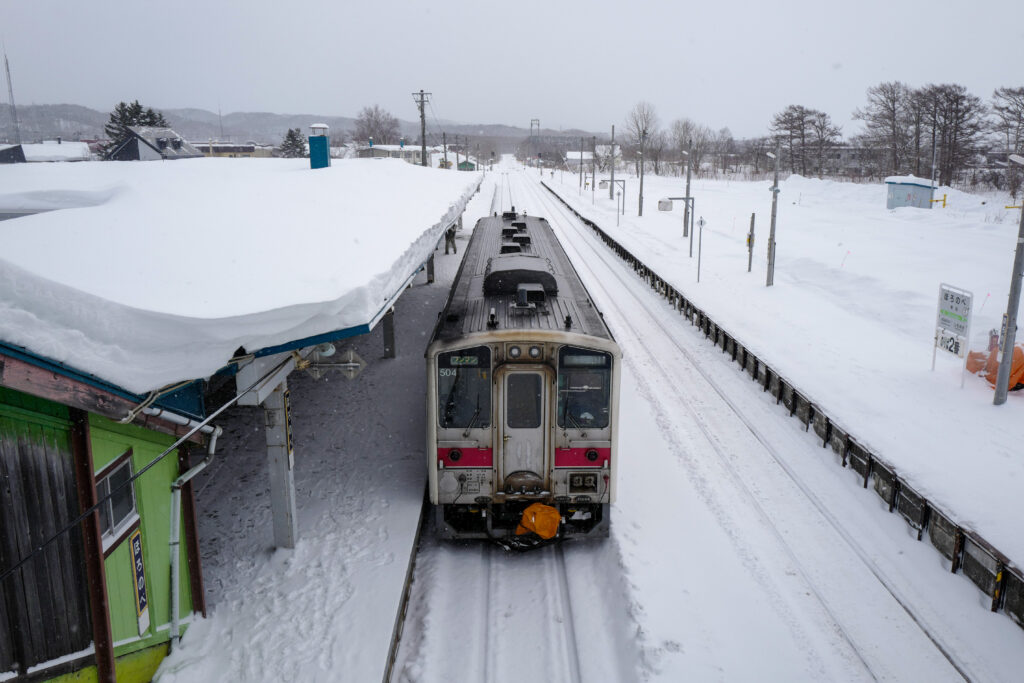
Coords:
464,388
584,388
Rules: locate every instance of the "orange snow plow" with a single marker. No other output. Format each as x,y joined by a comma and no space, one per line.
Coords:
540,519
985,364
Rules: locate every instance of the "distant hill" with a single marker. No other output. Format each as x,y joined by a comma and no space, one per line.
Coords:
73,122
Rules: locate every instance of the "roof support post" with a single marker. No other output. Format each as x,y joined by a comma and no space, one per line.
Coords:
389,333
95,569
281,463
430,269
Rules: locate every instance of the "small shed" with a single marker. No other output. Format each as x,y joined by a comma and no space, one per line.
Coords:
467,166
908,191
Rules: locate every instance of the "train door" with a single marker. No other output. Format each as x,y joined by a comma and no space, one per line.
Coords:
523,458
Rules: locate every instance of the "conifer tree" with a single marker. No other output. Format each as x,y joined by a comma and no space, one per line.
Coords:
133,114
294,145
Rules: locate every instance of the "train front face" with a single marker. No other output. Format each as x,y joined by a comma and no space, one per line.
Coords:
514,421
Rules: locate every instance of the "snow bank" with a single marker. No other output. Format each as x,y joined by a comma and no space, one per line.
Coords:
150,273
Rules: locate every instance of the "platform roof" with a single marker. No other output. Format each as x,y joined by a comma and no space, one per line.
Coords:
144,274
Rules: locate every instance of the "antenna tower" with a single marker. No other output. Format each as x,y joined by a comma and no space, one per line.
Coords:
10,97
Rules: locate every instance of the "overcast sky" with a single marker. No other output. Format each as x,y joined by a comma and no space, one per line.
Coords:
571,64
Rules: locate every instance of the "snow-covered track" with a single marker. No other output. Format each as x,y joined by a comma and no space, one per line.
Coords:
479,612
966,551
693,388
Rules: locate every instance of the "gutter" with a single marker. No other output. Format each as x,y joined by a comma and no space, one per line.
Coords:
212,431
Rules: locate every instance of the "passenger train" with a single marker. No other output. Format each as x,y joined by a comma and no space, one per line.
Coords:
522,389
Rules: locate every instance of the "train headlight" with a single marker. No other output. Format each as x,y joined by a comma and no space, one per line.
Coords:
534,352
514,352
454,455
592,455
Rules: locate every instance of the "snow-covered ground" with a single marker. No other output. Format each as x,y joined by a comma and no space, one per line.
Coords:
149,273
739,550
850,319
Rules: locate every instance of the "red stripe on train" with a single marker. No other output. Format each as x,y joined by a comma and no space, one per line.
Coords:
466,457
577,457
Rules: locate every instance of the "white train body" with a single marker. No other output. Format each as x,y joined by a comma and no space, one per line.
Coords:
522,389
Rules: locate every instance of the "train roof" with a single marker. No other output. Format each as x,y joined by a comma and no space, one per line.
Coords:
515,266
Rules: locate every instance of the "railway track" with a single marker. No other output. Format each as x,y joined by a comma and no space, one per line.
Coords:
474,611
478,612
698,391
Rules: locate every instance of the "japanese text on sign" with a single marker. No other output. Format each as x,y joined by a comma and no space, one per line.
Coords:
139,578
954,310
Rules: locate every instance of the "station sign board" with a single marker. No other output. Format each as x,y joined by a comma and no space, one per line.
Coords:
139,581
953,323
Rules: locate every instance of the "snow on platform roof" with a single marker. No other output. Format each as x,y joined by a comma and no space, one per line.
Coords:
147,273
908,180
57,151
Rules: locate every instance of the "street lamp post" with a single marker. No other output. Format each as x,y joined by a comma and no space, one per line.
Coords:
1006,359
700,241
611,187
686,210
771,231
643,139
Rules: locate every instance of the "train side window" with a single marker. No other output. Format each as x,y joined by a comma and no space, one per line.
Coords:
584,388
464,388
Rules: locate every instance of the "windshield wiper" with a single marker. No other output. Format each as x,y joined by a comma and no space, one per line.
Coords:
449,406
566,415
476,414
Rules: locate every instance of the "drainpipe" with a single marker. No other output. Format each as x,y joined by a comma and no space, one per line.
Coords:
212,431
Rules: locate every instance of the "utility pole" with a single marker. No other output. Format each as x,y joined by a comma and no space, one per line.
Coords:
593,167
444,146
421,99
643,139
771,231
581,164
10,98
686,209
1006,359
535,140
611,185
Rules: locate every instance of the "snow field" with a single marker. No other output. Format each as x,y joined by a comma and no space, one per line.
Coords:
849,321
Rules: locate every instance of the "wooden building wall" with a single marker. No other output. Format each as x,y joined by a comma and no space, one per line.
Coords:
44,607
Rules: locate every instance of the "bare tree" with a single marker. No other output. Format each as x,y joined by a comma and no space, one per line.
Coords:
641,122
378,124
657,142
791,128
920,129
686,133
755,150
886,124
958,124
723,146
1008,112
825,136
